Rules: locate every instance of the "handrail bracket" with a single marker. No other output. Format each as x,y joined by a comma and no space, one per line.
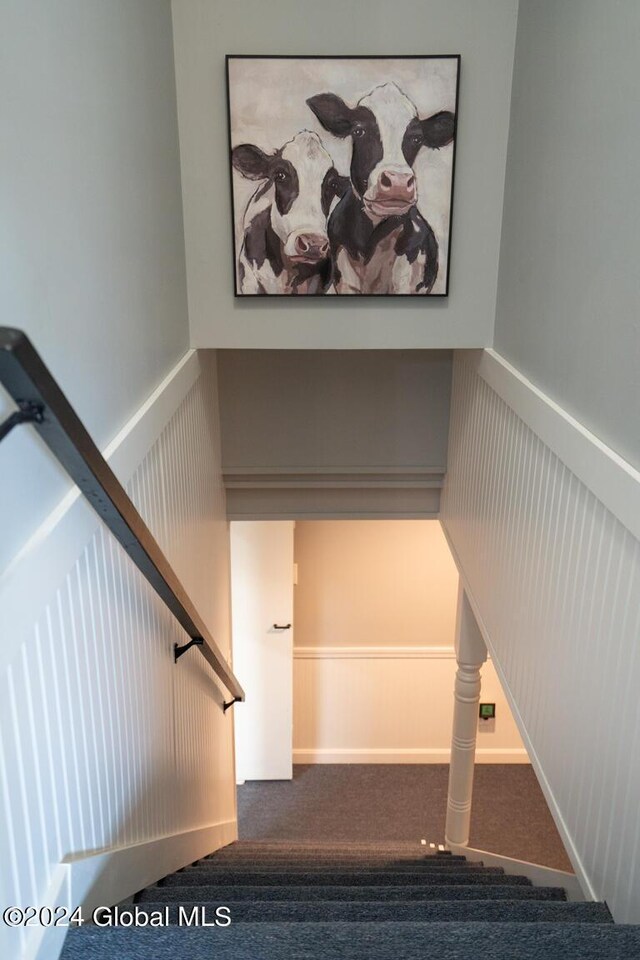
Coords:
230,703
179,650
28,413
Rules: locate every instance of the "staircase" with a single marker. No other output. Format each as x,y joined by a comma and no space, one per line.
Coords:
371,901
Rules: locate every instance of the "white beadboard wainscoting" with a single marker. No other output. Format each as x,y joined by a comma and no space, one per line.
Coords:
553,574
117,764
388,705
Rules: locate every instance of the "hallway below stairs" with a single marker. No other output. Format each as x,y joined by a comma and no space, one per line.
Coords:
355,900
405,802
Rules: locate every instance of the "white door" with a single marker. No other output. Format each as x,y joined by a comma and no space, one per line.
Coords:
262,612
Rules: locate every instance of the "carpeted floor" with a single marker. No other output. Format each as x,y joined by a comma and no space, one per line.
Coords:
402,802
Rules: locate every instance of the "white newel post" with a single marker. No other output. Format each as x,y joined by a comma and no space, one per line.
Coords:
471,653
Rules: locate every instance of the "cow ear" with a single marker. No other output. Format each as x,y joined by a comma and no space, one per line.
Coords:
333,113
250,161
438,130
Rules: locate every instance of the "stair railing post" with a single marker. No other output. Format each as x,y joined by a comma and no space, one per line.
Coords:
471,653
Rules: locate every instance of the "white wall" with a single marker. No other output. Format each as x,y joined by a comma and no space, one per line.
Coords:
553,576
482,32
105,743
374,663
374,583
91,238
567,313
368,705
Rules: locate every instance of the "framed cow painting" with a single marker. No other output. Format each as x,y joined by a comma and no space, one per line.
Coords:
342,174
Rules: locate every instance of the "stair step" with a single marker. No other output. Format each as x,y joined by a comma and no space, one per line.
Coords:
294,847
373,941
268,911
327,844
436,863
223,893
391,866
336,854
376,853
195,876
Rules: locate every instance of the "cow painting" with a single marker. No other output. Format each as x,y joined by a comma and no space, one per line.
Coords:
342,174
285,246
380,241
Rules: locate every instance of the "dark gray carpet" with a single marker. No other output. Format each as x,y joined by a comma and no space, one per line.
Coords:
364,941
377,802
221,893
216,869
354,878
499,911
419,905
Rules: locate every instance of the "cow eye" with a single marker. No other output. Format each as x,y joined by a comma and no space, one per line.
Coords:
416,138
281,175
359,132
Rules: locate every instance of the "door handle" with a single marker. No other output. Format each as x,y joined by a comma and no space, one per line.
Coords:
282,626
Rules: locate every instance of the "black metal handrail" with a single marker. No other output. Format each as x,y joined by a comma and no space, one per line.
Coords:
42,403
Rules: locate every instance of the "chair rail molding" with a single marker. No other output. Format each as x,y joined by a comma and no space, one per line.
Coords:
374,653
366,704
611,478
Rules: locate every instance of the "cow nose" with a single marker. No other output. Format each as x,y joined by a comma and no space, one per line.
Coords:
397,185
312,245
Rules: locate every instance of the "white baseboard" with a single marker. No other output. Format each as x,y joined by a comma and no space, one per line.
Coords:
110,876
45,943
427,755
539,875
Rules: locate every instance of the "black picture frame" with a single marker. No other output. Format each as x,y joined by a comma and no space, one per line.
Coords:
264,184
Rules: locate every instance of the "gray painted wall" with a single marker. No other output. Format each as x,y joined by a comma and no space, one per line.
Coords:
482,31
287,409
334,433
91,238
569,282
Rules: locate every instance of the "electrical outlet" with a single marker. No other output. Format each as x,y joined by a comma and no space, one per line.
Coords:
487,718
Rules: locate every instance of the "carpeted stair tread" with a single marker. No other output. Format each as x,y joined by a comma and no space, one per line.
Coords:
415,853
269,911
332,855
371,941
222,893
389,866
337,862
293,848
193,876
354,902
326,844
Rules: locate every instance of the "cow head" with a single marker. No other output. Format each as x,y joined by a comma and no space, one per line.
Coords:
301,183
386,134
